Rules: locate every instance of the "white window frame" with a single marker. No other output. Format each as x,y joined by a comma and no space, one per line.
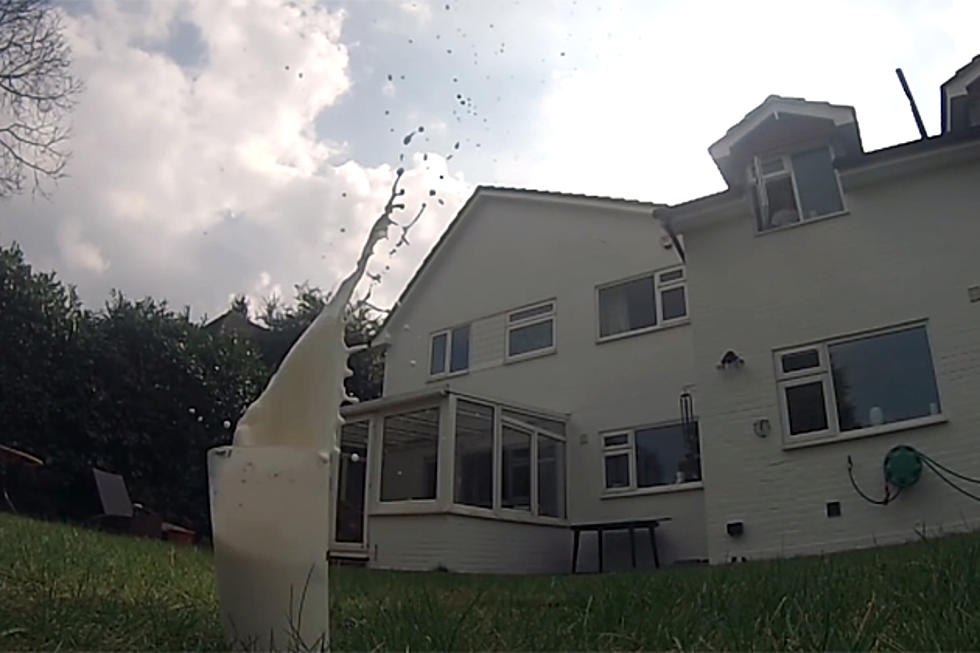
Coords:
448,356
659,287
536,432
546,316
629,449
760,180
822,373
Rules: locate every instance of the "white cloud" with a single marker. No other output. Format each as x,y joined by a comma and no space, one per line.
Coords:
198,183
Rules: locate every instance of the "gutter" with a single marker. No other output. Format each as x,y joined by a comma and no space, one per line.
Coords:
393,401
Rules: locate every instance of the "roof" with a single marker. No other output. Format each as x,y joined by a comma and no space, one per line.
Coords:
774,105
877,158
481,191
956,86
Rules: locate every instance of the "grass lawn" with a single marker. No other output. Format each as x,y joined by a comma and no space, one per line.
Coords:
68,588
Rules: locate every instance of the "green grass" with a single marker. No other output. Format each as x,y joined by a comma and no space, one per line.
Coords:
68,588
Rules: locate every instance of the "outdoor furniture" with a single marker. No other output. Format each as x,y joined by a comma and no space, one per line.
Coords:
118,509
630,525
9,455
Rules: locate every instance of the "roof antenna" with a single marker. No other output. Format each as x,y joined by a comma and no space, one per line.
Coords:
915,109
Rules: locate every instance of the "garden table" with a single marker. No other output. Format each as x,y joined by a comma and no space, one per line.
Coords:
630,525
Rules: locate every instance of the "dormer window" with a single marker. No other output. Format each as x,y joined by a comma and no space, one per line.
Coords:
795,188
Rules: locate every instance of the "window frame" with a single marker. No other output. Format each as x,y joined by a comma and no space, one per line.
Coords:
659,287
758,181
824,373
448,356
512,324
536,432
629,449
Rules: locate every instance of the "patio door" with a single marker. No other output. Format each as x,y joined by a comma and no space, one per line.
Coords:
350,489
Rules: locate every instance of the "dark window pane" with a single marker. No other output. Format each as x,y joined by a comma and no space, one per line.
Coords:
515,469
459,353
666,455
769,166
884,379
627,307
409,454
673,275
530,338
782,203
350,482
805,405
618,471
531,312
474,454
438,363
674,303
800,360
551,477
617,439
817,183
543,423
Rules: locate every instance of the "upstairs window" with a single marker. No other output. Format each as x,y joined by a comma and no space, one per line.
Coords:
450,351
795,188
531,331
640,304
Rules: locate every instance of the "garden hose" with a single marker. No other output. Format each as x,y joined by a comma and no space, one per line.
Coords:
902,469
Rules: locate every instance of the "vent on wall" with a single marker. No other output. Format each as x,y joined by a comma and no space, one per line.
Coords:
974,293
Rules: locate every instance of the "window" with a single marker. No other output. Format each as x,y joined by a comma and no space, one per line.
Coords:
635,305
795,188
846,385
410,447
531,454
515,468
531,330
474,454
651,457
551,477
450,351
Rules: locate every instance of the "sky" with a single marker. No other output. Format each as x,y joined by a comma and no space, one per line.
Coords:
225,147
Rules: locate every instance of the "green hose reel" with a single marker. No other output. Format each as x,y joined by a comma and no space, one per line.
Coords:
903,466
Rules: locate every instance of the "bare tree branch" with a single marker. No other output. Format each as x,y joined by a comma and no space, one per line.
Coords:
37,93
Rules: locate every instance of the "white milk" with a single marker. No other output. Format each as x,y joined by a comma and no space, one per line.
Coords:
270,490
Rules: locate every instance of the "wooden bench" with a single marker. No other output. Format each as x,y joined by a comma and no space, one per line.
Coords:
628,525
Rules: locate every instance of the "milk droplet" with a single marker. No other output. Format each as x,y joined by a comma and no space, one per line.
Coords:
354,457
412,362
226,424
200,418
191,410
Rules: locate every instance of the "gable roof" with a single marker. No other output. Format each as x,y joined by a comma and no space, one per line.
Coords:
725,150
954,87
503,193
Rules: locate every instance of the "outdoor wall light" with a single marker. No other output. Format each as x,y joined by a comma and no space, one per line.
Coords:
730,360
762,427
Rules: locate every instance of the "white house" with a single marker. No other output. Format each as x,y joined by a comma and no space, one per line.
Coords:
561,360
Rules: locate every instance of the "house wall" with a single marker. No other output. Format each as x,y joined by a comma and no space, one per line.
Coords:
906,251
467,544
511,252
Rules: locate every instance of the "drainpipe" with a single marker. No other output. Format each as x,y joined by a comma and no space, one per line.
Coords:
673,236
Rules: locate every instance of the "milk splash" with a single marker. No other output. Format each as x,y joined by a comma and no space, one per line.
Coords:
301,405
271,491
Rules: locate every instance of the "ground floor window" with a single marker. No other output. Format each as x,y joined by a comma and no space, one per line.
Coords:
409,456
652,456
855,384
531,454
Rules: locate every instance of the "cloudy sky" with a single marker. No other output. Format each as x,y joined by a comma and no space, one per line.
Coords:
225,146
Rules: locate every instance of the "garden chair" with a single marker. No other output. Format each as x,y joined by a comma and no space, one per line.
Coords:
120,513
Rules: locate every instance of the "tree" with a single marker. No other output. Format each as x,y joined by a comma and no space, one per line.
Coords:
37,91
286,323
